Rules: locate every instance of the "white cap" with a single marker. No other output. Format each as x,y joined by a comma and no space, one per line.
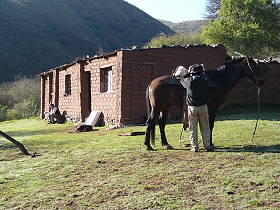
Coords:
180,71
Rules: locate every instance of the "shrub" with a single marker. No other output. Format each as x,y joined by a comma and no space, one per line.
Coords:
13,114
173,40
3,113
31,105
20,99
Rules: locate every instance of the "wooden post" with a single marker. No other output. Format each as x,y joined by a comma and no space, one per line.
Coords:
20,145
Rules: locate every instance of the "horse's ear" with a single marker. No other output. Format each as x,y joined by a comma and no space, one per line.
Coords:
245,59
251,59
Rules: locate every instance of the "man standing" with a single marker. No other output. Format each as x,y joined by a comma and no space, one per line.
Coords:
195,82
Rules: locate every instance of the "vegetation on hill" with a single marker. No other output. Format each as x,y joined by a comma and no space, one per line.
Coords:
101,170
20,99
175,40
188,27
37,35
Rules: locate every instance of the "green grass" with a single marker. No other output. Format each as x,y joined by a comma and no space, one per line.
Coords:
101,170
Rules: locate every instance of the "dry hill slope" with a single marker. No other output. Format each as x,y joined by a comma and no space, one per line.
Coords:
40,34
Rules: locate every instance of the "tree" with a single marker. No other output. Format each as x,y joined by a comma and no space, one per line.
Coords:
212,9
251,27
18,144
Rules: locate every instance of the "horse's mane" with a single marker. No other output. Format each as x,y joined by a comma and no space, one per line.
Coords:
227,64
218,75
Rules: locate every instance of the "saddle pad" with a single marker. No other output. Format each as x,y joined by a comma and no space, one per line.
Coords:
173,81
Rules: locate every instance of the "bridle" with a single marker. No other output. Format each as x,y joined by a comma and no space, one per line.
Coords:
253,73
258,98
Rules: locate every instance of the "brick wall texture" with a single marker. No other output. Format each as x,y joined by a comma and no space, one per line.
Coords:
132,70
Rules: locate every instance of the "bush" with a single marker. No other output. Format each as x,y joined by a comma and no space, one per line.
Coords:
174,40
13,114
3,113
31,106
20,99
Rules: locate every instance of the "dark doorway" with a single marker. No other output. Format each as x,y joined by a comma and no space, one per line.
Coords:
89,91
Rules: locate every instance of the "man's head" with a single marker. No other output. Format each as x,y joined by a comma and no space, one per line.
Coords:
180,72
196,68
52,105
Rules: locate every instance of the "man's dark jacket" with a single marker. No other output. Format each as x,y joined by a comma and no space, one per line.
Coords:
196,86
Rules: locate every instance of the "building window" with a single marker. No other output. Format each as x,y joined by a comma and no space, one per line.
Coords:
68,84
106,80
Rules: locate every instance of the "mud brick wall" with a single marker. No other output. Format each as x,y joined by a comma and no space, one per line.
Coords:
142,66
109,102
71,104
245,92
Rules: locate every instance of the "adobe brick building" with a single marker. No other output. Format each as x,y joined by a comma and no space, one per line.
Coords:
115,83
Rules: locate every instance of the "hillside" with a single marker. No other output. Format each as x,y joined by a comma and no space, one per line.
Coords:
188,27
37,35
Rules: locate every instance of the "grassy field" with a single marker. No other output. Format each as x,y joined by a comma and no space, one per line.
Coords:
101,170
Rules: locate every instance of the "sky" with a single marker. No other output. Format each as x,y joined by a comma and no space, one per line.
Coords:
172,10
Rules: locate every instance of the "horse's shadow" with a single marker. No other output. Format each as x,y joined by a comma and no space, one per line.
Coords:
251,148
240,149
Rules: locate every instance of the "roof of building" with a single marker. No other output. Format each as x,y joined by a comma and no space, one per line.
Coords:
134,48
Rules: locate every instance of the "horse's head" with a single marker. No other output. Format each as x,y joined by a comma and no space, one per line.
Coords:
252,72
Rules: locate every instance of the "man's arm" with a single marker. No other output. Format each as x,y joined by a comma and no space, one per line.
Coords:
53,110
189,74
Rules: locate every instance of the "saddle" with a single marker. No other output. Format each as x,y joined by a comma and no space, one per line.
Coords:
173,81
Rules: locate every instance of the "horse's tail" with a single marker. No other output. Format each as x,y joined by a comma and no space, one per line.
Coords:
150,116
148,103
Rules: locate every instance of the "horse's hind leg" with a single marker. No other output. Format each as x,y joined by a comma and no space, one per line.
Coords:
147,138
150,130
162,123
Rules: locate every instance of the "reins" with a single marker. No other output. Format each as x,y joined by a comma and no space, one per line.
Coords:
258,114
258,99
180,139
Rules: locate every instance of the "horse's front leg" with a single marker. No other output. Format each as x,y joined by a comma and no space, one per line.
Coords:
211,125
162,123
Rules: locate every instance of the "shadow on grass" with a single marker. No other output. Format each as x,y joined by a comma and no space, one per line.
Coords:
8,146
33,132
249,112
243,112
251,148
248,148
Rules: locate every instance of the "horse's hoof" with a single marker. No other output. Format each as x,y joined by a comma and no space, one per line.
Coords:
169,147
149,148
212,146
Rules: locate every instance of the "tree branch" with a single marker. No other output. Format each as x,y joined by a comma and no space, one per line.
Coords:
18,144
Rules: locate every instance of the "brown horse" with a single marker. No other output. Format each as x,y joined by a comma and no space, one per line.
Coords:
160,96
